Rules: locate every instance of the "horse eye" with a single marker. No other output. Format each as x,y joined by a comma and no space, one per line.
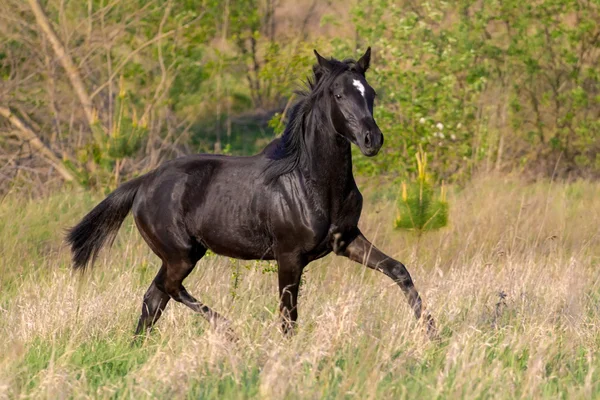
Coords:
338,96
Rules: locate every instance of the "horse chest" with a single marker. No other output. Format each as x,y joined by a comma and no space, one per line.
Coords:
347,214
304,212
341,217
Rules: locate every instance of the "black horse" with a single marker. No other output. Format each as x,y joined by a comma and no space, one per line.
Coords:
295,202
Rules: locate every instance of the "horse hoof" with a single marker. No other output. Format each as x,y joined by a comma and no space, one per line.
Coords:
224,328
231,336
431,329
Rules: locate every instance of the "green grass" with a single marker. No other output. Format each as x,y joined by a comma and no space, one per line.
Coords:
66,335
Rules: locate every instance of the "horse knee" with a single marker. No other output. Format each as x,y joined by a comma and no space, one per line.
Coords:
400,274
155,301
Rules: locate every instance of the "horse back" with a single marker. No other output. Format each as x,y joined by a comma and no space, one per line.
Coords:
218,202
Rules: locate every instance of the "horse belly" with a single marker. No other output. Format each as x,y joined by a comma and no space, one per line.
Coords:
236,244
233,225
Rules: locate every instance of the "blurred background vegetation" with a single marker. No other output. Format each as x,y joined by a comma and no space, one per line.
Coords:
95,92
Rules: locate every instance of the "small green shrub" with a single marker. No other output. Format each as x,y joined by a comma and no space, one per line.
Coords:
101,160
419,209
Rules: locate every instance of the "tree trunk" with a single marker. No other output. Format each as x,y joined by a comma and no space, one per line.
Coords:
28,135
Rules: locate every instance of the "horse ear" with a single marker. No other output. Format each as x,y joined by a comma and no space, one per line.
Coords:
365,60
323,63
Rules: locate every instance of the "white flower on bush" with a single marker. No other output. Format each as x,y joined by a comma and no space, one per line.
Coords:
453,136
458,126
422,120
440,126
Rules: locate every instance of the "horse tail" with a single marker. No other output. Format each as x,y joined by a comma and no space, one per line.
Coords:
100,226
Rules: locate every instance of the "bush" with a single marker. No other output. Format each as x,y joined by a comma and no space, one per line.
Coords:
418,208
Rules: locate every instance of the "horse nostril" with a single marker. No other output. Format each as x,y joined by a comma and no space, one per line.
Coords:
368,139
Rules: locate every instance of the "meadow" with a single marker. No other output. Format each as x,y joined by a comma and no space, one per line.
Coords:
513,284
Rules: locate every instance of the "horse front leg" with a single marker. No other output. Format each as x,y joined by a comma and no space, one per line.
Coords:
357,248
289,272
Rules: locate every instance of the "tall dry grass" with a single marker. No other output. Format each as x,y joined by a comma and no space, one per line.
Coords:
539,245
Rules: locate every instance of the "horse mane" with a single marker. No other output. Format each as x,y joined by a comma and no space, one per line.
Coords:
283,154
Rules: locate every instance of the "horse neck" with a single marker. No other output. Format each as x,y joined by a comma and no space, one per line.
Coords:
328,157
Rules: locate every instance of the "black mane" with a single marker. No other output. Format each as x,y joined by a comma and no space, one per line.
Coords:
284,156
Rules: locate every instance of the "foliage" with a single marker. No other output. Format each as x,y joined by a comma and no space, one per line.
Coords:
153,48
480,85
108,151
510,83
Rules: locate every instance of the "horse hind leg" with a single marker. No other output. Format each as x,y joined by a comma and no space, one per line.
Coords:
179,253
173,284
155,302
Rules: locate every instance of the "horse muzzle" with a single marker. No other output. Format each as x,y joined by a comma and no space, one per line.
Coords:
370,141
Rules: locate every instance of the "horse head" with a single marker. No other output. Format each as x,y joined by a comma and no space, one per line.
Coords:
351,98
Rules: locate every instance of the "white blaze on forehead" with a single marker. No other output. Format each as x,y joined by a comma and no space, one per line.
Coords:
359,86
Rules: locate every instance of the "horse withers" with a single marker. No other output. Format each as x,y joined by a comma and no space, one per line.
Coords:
295,202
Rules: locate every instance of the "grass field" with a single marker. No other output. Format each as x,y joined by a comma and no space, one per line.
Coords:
69,336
